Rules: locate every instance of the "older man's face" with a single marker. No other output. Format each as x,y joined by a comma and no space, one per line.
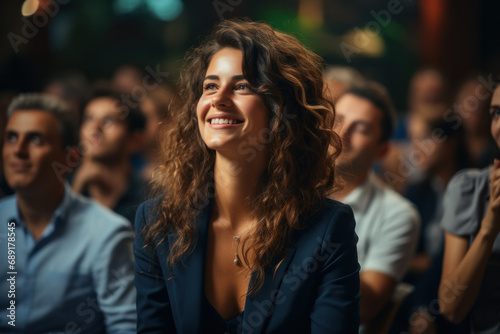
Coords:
32,147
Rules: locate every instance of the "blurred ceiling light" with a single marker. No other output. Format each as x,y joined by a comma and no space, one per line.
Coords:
166,10
29,7
365,42
126,6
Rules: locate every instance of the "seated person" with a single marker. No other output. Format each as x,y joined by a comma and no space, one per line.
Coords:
243,237
70,262
387,224
110,133
470,279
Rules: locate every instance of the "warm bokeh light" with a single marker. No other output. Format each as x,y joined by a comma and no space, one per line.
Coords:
365,42
30,7
311,13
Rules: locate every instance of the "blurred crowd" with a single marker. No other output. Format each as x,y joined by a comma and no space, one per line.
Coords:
117,120
441,132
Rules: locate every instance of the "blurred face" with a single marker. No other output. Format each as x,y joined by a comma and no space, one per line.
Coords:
32,144
495,115
426,87
231,116
474,108
104,133
429,153
358,123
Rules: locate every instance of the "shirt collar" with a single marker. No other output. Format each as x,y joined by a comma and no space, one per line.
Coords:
59,214
359,198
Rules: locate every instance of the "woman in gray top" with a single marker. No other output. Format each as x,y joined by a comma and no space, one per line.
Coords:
470,282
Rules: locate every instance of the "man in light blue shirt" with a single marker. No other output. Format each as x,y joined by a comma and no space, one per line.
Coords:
66,262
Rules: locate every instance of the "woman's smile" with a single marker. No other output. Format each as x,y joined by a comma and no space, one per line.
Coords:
229,103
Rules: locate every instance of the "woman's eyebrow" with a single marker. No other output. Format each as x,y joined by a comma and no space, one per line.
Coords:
211,77
216,77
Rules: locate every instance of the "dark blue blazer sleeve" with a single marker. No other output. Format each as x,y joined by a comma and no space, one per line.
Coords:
153,304
336,308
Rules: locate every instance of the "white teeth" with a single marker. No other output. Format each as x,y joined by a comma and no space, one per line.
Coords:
222,121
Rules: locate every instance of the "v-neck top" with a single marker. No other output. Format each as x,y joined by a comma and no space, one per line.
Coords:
214,323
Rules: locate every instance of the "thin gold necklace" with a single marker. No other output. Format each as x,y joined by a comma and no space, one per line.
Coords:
236,257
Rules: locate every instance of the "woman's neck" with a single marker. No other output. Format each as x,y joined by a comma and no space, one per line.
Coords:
235,182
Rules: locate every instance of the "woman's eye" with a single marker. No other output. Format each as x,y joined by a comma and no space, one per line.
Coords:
210,86
243,87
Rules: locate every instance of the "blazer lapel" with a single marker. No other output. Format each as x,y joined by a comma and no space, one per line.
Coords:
188,285
188,274
260,307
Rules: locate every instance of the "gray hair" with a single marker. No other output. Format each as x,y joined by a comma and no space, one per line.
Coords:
68,125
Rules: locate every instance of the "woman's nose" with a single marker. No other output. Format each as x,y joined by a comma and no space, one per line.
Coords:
222,98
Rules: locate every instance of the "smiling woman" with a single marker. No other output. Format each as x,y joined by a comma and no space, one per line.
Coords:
229,110
241,236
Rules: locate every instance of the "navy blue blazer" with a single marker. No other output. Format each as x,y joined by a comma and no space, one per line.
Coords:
315,289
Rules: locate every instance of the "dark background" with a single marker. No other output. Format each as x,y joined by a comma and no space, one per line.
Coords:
96,36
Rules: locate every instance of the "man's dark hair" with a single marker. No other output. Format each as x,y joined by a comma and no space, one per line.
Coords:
133,116
67,118
377,95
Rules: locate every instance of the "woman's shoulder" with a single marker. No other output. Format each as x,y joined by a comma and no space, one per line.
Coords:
469,180
149,204
332,217
464,202
334,207
146,213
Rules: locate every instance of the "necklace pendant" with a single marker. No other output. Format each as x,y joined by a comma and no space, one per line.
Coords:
236,259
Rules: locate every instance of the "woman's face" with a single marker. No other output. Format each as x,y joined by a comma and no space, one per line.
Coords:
495,115
231,116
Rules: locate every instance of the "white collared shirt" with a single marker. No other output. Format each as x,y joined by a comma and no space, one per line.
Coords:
387,226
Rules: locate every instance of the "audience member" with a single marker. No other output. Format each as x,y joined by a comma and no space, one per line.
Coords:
110,133
242,238
126,78
340,78
70,266
157,109
471,263
439,152
387,224
427,86
472,103
72,87
5,99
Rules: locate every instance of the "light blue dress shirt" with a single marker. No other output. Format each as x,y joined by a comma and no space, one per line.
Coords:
77,278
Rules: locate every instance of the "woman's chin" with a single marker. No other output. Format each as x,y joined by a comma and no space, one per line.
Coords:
222,144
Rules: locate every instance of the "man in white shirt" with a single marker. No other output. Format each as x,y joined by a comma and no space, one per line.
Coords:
386,223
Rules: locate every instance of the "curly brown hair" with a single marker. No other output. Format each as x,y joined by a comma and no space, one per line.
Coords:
300,170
